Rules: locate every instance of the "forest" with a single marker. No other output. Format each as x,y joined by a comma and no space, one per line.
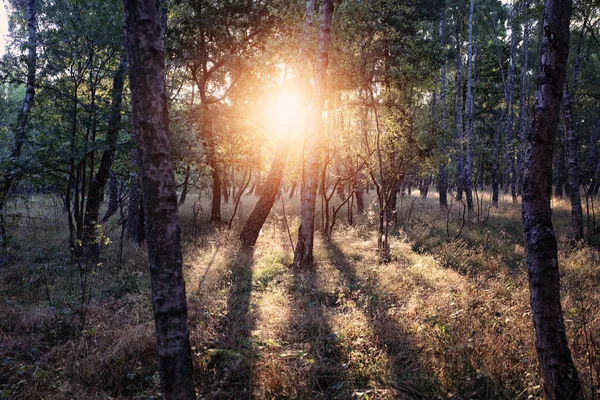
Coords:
300,199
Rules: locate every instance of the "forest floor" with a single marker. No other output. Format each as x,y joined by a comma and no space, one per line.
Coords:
448,318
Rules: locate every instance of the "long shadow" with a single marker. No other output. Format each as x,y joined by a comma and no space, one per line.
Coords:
411,378
315,350
229,363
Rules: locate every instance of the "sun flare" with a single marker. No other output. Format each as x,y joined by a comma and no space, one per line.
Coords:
286,113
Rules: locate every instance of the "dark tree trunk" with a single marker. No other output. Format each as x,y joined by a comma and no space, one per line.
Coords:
303,255
186,182
442,173
293,189
573,161
561,380
561,169
469,118
267,198
458,121
360,203
136,228
92,229
150,121
522,99
510,167
7,178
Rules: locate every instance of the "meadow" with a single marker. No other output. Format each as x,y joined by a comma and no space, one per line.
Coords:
448,318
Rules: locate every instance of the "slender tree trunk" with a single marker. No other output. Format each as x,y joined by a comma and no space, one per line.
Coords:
458,127
573,162
303,256
7,178
442,173
263,207
523,99
561,380
186,182
468,172
150,121
92,230
561,169
509,166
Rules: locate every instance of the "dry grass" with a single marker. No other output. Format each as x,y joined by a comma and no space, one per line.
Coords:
447,318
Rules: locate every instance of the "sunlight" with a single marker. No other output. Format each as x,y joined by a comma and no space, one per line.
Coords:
287,112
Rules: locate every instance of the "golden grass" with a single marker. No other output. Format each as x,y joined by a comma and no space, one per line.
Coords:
447,318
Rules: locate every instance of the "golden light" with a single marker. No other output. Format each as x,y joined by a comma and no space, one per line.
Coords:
287,112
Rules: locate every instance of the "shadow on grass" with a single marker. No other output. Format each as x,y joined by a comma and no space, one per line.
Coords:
229,363
306,362
410,377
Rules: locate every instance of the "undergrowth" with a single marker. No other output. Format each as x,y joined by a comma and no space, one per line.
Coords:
448,318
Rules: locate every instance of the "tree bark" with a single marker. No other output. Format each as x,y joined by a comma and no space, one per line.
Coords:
523,99
573,162
442,173
263,207
150,121
186,181
468,172
561,380
458,126
95,192
303,255
509,166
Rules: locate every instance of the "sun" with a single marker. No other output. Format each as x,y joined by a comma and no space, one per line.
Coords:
287,112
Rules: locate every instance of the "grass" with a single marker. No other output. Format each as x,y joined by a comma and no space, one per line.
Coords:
447,318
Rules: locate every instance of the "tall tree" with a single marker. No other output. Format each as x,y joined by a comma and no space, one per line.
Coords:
100,178
561,380
303,255
442,173
267,198
468,171
7,178
509,166
573,162
458,117
522,123
150,118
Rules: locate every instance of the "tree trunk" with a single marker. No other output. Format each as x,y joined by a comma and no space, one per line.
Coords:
186,182
458,127
561,169
561,380
7,178
573,162
92,229
150,121
509,166
523,100
468,172
360,203
303,255
267,198
442,173
293,189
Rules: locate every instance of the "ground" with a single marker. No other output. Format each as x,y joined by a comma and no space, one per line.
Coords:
447,318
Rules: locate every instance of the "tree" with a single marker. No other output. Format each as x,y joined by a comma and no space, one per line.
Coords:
150,118
469,118
561,380
303,255
442,174
267,198
8,178
100,178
